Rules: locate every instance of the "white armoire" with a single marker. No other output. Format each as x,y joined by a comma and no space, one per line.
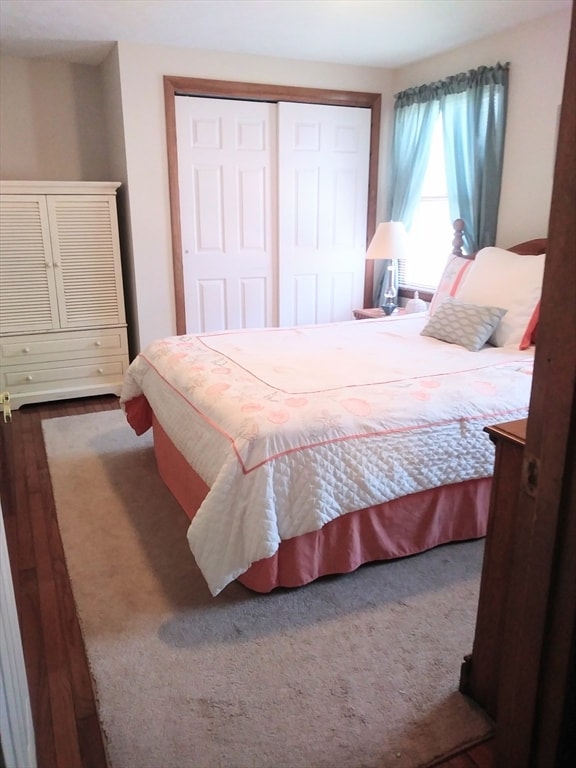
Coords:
62,318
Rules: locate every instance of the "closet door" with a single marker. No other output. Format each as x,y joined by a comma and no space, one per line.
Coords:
323,163
226,174
273,211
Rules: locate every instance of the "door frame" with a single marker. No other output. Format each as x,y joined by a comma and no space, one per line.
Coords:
536,700
225,89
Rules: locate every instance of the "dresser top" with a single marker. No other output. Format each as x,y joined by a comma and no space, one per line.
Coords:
59,187
515,431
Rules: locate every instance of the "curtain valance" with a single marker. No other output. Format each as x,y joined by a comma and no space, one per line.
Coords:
463,81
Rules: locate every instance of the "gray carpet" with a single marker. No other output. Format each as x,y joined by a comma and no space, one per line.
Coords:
353,671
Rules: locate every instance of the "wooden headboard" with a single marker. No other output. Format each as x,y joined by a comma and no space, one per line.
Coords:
527,248
530,247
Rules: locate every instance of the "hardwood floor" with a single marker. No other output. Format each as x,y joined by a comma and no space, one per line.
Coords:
64,711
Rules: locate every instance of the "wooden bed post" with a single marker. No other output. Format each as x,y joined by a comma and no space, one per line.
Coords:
458,241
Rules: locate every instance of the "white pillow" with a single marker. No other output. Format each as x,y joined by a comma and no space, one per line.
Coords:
505,279
452,277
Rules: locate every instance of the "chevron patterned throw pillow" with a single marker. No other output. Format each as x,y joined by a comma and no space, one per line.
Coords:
468,325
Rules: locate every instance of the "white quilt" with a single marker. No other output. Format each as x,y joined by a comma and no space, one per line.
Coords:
291,428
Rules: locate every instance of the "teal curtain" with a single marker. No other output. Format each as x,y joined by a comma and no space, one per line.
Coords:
414,118
473,108
415,115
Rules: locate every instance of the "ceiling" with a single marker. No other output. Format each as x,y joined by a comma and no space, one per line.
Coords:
377,33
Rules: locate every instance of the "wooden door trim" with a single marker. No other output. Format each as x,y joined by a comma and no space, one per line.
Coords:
191,86
535,699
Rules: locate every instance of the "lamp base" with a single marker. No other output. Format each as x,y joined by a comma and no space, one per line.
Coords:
388,308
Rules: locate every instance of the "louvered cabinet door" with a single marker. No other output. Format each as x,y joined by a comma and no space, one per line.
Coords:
28,296
85,248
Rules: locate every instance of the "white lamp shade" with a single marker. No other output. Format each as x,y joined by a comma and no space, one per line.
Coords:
390,241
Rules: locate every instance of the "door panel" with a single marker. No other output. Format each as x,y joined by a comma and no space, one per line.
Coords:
27,267
323,174
226,167
85,247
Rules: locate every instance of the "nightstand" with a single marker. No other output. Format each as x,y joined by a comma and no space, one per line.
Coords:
375,312
480,672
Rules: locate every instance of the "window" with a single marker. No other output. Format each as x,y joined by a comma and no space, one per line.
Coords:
431,233
472,107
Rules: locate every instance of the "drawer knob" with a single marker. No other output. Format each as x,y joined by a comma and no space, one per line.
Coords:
98,343
26,350
100,370
28,378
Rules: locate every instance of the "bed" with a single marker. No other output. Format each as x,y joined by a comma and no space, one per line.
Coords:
308,451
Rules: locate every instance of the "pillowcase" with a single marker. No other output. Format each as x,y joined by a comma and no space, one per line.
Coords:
529,337
468,325
452,277
505,279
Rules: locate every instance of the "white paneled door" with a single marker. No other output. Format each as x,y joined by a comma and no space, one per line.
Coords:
17,740
273,208
323,161
226,167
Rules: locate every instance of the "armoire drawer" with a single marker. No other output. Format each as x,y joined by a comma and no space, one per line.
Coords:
64,345
57,381
19,378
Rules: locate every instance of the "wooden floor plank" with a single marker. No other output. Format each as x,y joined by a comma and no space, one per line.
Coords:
33,644
16,499
483,754
56,652
91,744
459,761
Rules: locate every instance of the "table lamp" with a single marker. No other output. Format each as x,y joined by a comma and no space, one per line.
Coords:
390,242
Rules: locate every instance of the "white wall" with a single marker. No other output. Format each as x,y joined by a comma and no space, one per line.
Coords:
141,75
115,141
62,121
537,53
51,121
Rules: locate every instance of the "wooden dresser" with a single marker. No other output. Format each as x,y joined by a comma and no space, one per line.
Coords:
62,319
480,671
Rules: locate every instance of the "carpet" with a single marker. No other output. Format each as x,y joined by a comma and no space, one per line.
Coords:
352,671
